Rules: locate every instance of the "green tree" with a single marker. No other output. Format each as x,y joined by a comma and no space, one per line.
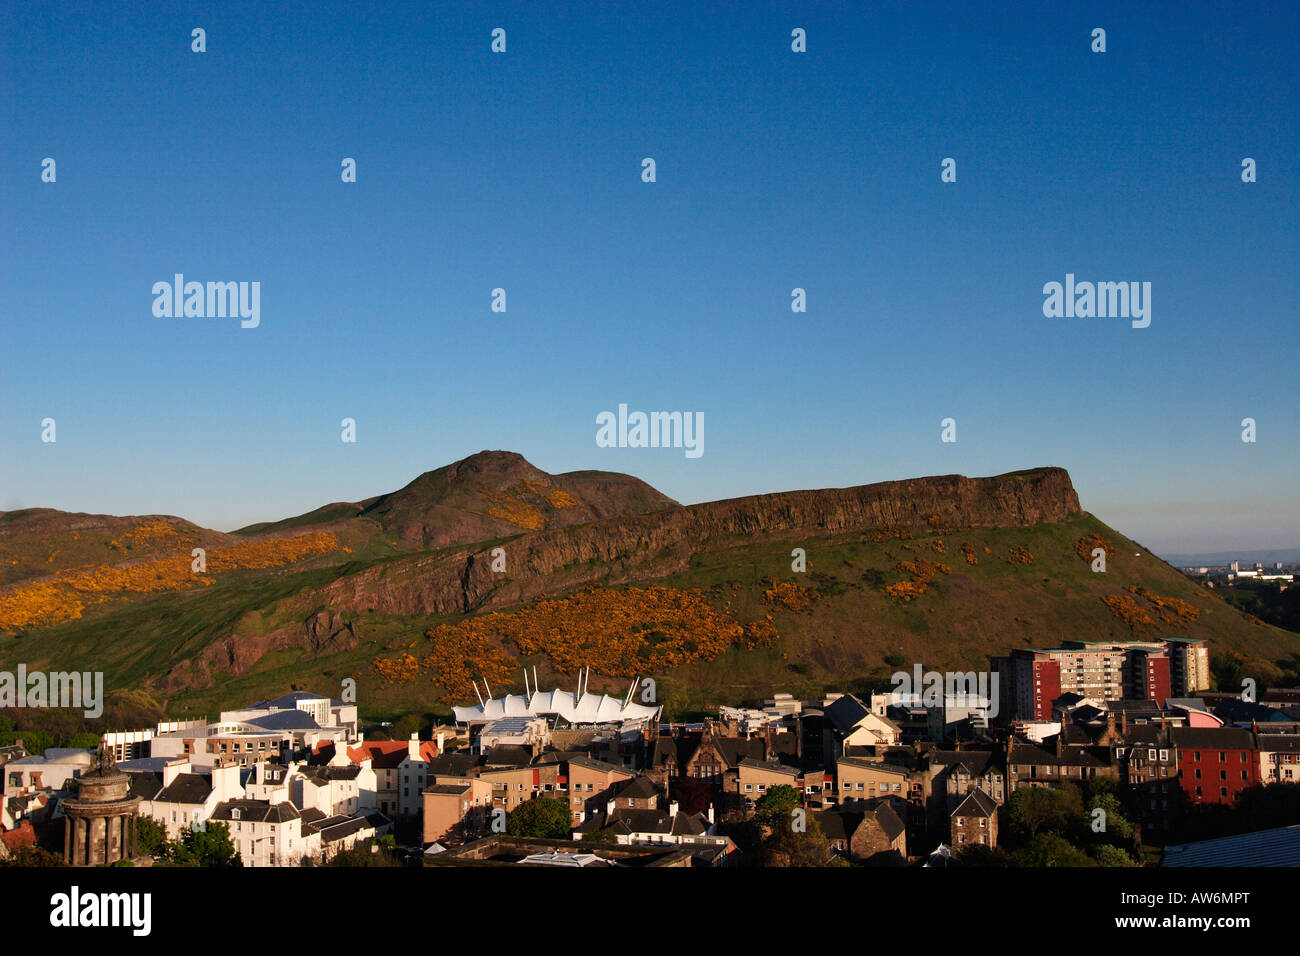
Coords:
603,835
1119,831
1107,855
1048,849
150,836
32,856
405,726
1032,810
546,817
773,808
367,853
85,741
35,742
788,846
204,846
979,854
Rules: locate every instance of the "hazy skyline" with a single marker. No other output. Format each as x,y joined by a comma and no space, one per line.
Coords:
775,170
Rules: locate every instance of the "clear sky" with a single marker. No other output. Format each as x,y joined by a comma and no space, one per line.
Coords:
775,170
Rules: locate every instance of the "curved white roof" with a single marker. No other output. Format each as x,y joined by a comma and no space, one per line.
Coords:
575,708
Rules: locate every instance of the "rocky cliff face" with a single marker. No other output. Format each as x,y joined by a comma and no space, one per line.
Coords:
629,548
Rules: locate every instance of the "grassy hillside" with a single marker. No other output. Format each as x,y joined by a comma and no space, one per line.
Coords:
1025,586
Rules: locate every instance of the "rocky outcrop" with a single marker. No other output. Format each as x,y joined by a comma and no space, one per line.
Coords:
633,547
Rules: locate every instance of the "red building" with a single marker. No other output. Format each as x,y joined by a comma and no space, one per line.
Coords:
1151,675
1035,681
1215,763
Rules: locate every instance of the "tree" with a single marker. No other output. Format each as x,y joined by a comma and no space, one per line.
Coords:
1118,830
366,853
603,835
545,817
1034,809
35,742
1048,849
405,726
205,846
84,741
787,846
1107,855
32,856
150,836
979,854
773,808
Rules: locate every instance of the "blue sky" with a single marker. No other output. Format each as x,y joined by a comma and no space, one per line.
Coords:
775,170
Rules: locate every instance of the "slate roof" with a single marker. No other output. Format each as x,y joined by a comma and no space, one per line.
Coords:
846,712
977,804
285,720
977,762
838,824
257,811
323,775
1276,847
1212,738
768,765
186,788
626,821
289,700
643,788
449,788
509,755
146,786
872,765
453,765
600,766
1026,753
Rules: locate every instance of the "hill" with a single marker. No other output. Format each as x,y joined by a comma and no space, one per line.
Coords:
409,594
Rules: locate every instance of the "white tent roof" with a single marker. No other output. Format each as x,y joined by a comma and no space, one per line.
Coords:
573,707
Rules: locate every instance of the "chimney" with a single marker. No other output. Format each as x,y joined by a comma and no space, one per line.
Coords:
711,813
672,808
441,735
174,769
609,807
225,781
413,747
